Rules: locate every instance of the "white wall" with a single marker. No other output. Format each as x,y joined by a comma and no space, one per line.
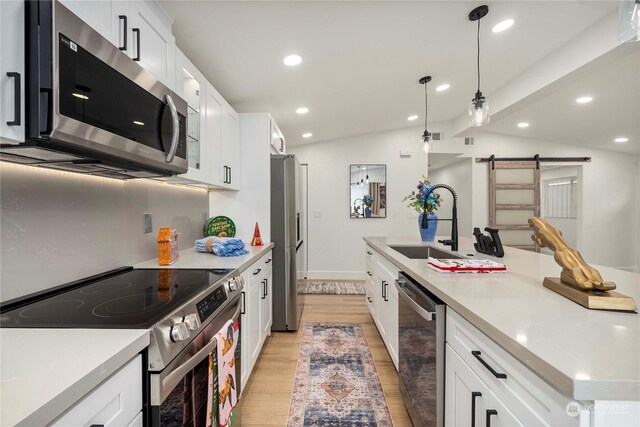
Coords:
458,176
58,227
336,248
608,234
609,226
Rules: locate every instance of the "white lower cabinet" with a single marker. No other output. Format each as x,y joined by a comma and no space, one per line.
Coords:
115,402
256,315
382,299
474,363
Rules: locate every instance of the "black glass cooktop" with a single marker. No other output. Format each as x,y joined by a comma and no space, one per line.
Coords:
132,299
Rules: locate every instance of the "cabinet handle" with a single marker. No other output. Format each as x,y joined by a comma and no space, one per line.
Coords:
369,252
244,303
264,289
489,413
384,288
17,107
369,273
495,373
230,174
255,273
281,145
474,394
386,291
137,31
268,261
123,18
370,300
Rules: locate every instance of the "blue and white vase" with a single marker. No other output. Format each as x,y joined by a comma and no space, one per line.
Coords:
367,212
428,234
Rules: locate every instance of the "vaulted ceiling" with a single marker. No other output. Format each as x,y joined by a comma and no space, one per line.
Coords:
361,60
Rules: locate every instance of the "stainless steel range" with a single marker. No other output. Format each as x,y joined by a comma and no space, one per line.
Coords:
182,309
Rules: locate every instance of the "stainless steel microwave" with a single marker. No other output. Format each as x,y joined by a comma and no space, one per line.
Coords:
90,108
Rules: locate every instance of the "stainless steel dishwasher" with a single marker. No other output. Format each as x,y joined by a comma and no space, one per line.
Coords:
421,334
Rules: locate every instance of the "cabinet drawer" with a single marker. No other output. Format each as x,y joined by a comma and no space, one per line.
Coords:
115,402
374,259
522,391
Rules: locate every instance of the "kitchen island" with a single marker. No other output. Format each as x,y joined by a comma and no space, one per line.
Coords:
586,355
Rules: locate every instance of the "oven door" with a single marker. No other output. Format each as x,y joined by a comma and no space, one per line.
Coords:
178,394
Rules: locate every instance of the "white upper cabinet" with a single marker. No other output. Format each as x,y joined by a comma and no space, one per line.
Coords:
213,138
231,147
148,38
97,13
223,140
12,71
278,143
191,86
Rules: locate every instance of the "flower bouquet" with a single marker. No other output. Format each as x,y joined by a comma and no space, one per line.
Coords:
417,201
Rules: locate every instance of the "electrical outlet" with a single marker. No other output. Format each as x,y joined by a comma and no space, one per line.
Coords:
148,223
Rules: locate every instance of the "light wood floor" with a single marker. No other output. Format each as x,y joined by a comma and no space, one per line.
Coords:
268,394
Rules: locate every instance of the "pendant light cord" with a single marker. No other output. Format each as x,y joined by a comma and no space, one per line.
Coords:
478,39
426,106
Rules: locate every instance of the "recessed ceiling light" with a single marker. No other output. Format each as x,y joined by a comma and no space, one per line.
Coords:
79,95
442,87
412,118
292,60
302,110
501,26
307,135
136,122
523,125
621,139
584,99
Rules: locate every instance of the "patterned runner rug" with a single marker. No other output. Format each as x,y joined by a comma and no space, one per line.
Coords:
336,382
326,287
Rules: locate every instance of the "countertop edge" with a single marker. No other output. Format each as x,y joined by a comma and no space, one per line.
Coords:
190,258
577,389
72,395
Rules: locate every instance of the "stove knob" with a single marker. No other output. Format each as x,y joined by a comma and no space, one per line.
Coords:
232,286
193,321
179,331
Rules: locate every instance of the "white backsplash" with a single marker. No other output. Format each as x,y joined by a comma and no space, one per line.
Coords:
57,227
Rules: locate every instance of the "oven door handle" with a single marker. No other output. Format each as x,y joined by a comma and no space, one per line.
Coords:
175,130
426,315
171,380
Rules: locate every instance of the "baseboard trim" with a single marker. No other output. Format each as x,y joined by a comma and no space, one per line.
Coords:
336,275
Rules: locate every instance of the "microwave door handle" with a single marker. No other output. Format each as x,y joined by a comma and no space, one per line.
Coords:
171,380
175,130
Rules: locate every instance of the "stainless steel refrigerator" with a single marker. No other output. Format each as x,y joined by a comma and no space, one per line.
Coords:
286,232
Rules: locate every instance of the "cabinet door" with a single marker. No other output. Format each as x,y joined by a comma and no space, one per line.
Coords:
150,39
115,402
231,147
254,304
392,330
12,61
266,305
213,146
382,310
468,400
191,86
277,139
96,13
245,339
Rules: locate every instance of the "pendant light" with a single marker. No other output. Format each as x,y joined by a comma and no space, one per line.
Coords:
478,107
426,136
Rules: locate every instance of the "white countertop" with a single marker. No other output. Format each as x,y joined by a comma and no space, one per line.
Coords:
585,354
190,258
43,372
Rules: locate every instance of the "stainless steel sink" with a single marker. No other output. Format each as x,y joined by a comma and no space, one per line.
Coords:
424,252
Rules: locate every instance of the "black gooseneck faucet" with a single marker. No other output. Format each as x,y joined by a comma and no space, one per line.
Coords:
454,216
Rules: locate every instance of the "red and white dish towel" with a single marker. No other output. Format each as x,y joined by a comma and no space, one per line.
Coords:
227,339
466,265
